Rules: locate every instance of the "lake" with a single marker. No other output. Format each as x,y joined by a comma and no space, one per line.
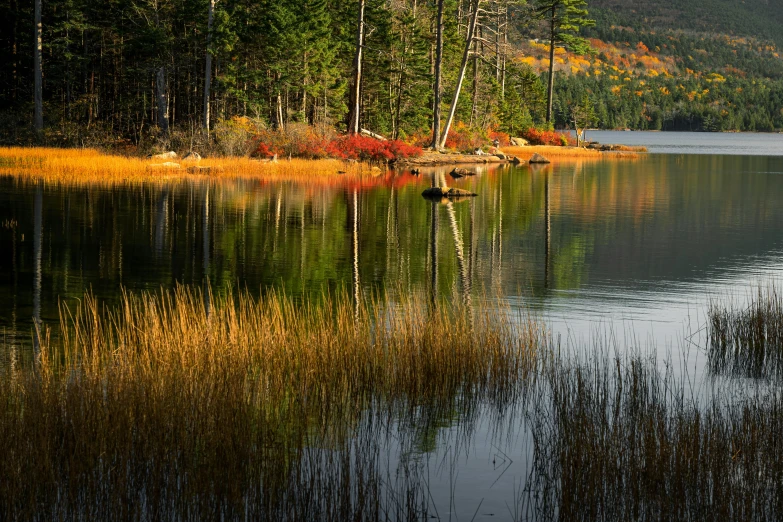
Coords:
637,248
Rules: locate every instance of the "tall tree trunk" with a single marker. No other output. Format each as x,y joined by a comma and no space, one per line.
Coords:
463,67
208,66
438,78
356,93
551,85
37,69
163,102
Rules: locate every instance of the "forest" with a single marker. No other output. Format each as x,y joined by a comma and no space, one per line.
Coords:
137,74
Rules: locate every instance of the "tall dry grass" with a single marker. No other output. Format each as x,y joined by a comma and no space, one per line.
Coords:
748,340
621,438
562,154
79,166
184,406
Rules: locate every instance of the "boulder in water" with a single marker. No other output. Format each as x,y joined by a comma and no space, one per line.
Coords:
538,158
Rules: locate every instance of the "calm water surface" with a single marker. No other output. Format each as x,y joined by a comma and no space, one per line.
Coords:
629,246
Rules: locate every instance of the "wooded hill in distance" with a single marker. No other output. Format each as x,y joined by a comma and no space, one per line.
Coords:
123,71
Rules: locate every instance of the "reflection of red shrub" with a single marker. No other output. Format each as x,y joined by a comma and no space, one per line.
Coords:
546,137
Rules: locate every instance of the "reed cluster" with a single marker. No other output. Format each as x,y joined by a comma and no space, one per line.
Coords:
188,406
624,439
748,340
87,166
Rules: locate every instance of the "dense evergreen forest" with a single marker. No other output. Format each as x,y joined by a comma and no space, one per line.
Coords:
140,72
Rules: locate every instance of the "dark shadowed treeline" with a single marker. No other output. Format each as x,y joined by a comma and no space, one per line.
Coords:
135,70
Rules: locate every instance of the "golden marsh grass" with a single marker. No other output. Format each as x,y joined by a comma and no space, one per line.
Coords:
80,166
174,405
561,154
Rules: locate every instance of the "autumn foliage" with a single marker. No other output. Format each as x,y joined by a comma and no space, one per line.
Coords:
312,145
546,137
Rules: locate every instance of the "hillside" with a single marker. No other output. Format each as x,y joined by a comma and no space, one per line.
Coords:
713,65
758,19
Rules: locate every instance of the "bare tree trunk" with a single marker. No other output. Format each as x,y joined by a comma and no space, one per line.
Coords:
163,102
463,67
551,85
37,68
356,94
208,66
438,79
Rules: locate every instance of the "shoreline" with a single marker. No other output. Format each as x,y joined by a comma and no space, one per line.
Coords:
523,154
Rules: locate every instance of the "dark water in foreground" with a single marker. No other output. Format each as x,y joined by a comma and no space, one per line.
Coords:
627,245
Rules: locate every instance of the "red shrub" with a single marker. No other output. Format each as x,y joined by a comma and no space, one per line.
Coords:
363,148
502,137
303,142
547,137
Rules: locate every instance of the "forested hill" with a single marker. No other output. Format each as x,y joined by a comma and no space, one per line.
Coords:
759,19
711,65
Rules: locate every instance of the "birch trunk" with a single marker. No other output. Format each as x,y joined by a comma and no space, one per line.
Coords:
551,85
356,94
463,67
438,76
208,66
163,102
38,71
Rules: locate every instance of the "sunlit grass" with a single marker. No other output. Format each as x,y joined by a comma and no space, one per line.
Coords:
91,166
180,405
568,153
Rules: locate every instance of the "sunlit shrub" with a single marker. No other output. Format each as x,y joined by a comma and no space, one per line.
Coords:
311,143
546,137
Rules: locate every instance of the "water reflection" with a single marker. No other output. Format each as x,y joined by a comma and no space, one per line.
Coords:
642,241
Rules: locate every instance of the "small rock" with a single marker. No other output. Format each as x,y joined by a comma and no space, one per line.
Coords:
501,155
461,173
192,156
438,193
519,142
459,193
204,170
166,155
516,161
165,165
538,158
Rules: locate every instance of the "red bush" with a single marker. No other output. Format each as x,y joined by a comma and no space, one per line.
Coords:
547,137
502,137
305,143
363,148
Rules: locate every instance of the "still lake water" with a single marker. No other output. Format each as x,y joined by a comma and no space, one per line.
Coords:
637,247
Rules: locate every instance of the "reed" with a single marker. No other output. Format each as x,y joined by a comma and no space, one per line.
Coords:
190,406
748,340
623,439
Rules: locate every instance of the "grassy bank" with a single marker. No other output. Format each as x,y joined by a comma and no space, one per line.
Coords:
179,405
91,166
570,153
